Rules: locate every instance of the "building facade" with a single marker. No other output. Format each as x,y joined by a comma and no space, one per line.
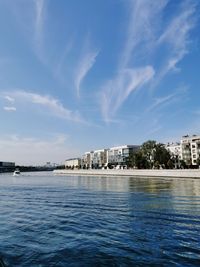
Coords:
175,151
120,154
94,159
103,158
99,159
73,163
86,160
190,149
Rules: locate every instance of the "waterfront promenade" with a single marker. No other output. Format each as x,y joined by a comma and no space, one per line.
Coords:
134,173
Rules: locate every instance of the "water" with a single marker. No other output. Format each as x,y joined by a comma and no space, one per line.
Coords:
48,220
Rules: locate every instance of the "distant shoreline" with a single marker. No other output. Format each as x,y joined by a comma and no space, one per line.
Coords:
192,174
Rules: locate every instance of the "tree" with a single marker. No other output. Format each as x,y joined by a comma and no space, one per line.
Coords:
183,165
170,164
155,153
198,161
162,155
150,155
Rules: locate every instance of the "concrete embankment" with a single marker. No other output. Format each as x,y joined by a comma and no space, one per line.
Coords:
134,173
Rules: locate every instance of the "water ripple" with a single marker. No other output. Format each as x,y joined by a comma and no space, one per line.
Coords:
88,221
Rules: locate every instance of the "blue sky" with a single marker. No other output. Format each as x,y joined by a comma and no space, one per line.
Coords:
83,75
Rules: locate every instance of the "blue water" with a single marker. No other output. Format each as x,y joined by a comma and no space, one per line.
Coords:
48,220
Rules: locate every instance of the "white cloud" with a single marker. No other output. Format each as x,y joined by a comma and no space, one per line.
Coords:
50,104
128,79
141,29
85,64
117,90
9,108
39,20
30,150
148,36
179,95
10,99
176,36
39,29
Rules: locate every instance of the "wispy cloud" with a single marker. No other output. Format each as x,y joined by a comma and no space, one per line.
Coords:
39,29
148,36
179,95
128,79
85,64
117,90
39,14
9,108
10,99
52,105
141,29
60,64
176,36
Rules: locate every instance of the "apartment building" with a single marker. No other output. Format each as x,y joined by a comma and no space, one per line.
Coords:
94,159
99,158
73,163
174,149
86,160
119,155
103,157
190,149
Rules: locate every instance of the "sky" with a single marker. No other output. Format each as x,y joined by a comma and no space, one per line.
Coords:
76,76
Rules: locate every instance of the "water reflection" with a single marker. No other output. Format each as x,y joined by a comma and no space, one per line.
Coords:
176,186
51,220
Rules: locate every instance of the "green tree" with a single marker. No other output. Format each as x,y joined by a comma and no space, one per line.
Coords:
155,152
150,155
183,165
162,155
198,161
170,164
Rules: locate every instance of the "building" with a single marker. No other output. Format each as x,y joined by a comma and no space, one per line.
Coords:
94,159
103,157
73,163
99,158
7,166
120,154
175,151
190,149
86,161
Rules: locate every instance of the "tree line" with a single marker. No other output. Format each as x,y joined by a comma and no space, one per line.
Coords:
153,155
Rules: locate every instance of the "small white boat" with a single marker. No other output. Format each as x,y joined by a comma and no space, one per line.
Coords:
16,172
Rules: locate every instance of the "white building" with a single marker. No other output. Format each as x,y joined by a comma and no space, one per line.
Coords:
174,149
94,159
99,159
103,157
190,149
86,160
73,163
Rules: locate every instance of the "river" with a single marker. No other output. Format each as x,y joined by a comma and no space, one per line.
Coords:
48,220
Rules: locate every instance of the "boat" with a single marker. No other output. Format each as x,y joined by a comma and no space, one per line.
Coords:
16,172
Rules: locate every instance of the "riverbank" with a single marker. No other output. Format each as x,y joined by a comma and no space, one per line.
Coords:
134,173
